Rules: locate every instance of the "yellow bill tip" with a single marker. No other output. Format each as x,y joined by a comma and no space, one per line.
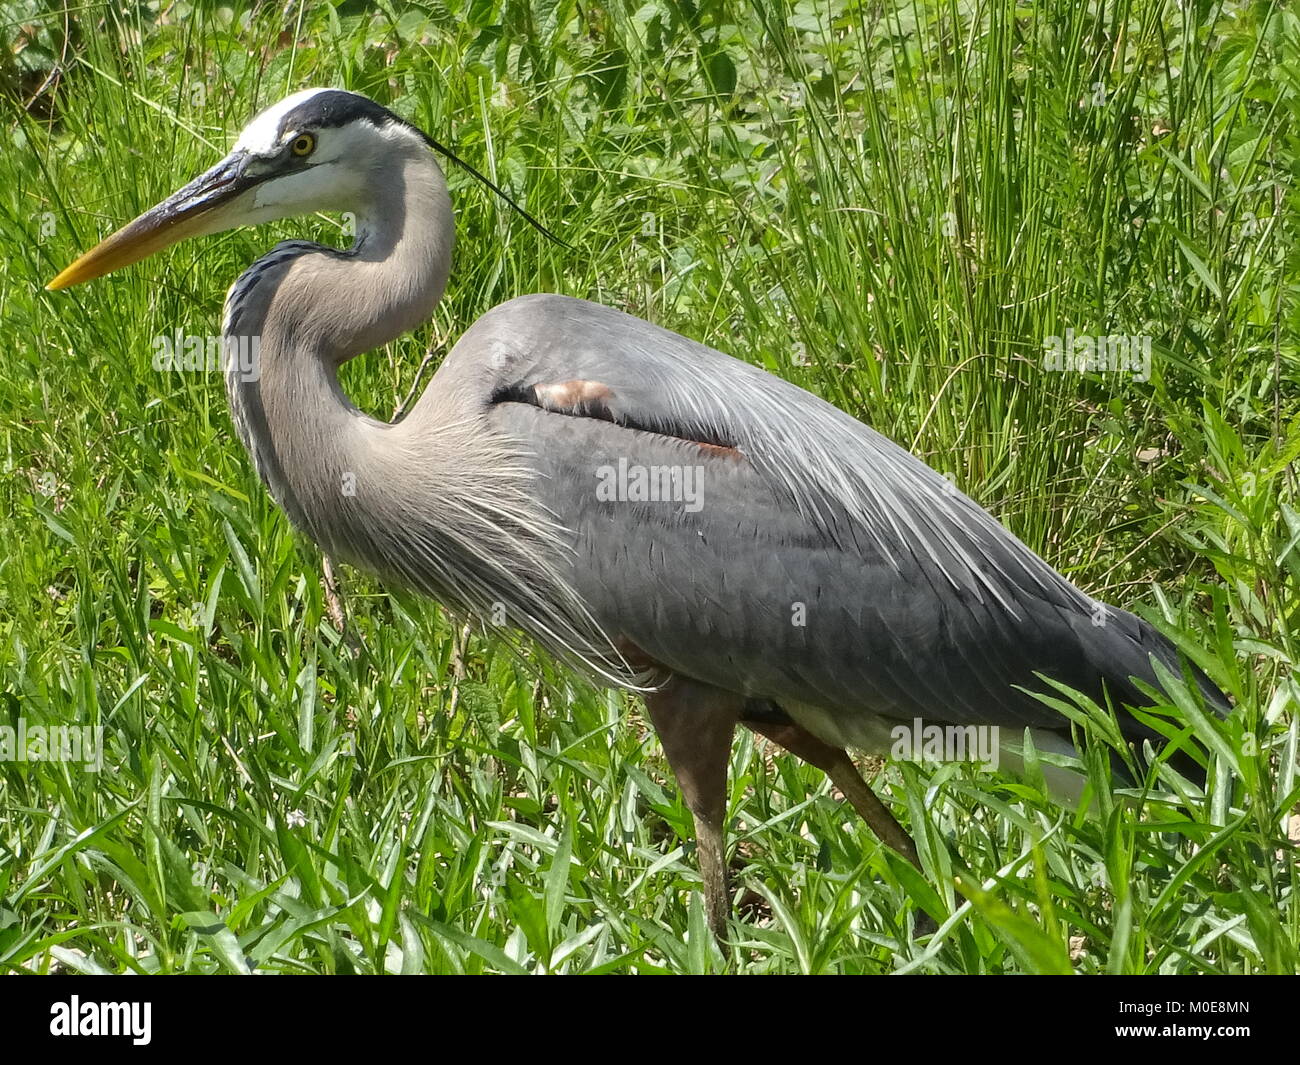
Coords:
123,248
192,211
151,232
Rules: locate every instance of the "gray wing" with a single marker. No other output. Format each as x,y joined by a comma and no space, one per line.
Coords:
805,558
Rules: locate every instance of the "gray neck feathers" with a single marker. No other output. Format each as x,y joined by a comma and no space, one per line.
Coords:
436,502
306,309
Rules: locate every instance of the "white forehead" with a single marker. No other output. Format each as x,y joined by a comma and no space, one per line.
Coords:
260,137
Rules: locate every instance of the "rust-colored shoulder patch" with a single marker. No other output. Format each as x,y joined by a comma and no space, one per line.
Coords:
575,397
581,398
719,450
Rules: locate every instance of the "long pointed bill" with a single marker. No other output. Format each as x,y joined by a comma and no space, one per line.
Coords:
190,212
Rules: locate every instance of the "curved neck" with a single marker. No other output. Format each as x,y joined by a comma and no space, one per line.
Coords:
438,502
303,309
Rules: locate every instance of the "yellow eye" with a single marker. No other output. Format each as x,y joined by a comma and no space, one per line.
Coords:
303,144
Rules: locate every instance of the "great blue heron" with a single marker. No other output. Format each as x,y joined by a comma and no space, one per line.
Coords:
655,512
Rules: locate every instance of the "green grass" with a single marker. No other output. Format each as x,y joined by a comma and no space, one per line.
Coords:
891,205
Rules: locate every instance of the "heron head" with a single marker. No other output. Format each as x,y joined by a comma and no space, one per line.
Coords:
316,150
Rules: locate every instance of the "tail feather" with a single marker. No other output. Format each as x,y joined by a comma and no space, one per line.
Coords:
1123,648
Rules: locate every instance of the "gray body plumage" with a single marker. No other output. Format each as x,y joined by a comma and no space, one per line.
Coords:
825,570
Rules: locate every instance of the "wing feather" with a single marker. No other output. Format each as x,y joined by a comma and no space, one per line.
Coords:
825,566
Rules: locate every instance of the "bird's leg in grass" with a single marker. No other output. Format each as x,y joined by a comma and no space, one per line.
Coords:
836,764
695,723
333,598
335,608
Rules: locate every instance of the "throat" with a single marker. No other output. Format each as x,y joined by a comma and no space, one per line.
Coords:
310,309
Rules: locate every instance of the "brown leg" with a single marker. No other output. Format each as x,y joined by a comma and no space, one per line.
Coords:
837,765
695,723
